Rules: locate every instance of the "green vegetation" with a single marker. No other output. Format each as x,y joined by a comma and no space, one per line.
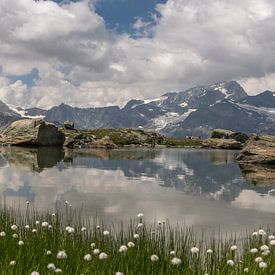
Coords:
65,242
188,143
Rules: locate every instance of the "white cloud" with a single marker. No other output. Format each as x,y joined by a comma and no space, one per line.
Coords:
192,42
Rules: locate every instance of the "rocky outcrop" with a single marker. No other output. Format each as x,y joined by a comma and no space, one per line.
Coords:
227,134
258,150
69,125
219,143
32,132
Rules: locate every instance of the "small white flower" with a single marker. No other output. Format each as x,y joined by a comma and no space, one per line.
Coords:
136,236
66,202
253,250
27,202
262,232
140,224
53,214
102,256
272,242
258,259
15,236
2,234
48,252
271,237
159,222
70,229
83,229
88,257
209,251
27,226
93,245
13,227
50,226
255,234
34,230
194,250
58,270
140,215
123,248
264,247
61,255
154,258
35,273
37,222
106,232
246,270
98,227
51,267
172,253
176,261
44,224
262,265
233,248
119,273
12,263
230,262
130,244
20,243
96,251
266,252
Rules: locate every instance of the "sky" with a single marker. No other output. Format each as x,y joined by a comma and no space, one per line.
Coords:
94,53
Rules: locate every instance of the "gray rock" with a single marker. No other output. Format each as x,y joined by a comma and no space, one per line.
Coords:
32,132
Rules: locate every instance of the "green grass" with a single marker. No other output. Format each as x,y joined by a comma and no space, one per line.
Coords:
154,239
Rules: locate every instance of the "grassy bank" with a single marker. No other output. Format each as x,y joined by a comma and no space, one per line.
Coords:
64,242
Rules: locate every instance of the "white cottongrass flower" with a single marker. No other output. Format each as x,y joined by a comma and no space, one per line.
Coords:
246,270
27,226
44,224
154,258
119,273
70,229
272,242
102,256
106,233
88,257
58,270
262,265
53,214
140,224
50,226
271,237
130,244
266,252
255,234
66,202
96,251
233,248
140,215
27,202
61,255
14,227
12,263
159,222
83,229
261,232
98,227
209,251
93,245
264,247
48,252
123,248
35,273
20,243
194,250
15,236
136,236
176,261
253,250
34,230
51,266
258,260
37,222
230,262
172,253
2,234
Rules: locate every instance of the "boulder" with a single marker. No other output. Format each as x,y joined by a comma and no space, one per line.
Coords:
219,143
104,142
32,132
69,125
227,134
260,149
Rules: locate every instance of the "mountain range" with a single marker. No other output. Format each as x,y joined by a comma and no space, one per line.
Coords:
195,111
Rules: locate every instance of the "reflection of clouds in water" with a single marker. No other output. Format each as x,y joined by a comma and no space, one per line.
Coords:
252,200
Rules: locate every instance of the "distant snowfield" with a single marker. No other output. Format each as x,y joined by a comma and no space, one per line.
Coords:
22,112
270,112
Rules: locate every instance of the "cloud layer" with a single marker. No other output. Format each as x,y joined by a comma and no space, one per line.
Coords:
82,63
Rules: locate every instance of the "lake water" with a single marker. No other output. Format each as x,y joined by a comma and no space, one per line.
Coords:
202,188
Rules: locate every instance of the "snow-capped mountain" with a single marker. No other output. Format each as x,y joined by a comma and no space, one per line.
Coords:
195,111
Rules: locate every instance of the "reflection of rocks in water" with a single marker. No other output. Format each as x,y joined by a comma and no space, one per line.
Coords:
34,159
219,158
259,174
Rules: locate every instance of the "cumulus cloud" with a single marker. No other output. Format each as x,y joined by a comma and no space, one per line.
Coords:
82,63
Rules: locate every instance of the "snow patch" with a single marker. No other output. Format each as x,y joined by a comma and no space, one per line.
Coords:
22,112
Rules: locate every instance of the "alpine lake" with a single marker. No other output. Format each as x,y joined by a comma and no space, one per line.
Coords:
205,189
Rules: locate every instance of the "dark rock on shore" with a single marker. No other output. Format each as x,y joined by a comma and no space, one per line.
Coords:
227,134
32,132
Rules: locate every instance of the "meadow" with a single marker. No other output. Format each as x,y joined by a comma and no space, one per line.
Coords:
65,241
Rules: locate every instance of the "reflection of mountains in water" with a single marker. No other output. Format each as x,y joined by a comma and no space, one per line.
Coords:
210,173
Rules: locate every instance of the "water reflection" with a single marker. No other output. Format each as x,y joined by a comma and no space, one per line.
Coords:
198,187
